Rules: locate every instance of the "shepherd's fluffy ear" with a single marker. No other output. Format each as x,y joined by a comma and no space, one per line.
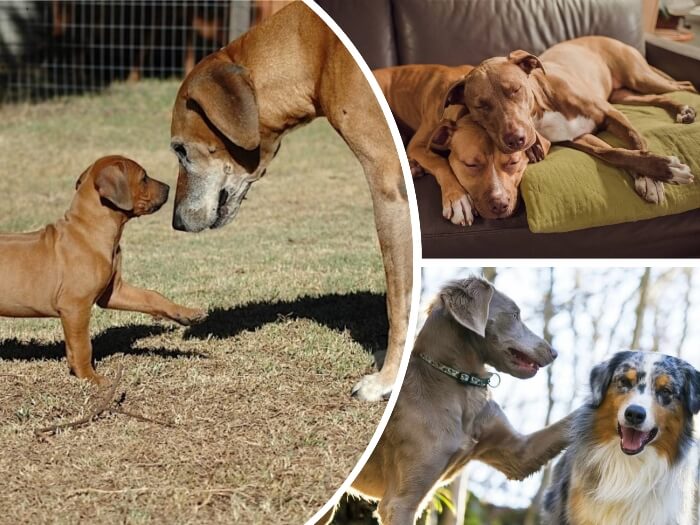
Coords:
468,302
602,374
691,390
600,381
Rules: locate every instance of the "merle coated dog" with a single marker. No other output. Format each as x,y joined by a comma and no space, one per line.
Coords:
628,463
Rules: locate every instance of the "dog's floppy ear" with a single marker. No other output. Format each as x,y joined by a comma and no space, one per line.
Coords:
111,183
441,138
526,61
226,94
600,378
81,178
455,93
468,303
691,389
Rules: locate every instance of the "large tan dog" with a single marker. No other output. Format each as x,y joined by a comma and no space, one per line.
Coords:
476,177
64,269
234,108
444,416
567,94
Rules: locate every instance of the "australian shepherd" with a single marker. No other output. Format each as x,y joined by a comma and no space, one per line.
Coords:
628,462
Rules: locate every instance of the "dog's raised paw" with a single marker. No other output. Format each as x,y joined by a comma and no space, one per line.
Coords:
680,173
686,115
191,317
651,190
371,388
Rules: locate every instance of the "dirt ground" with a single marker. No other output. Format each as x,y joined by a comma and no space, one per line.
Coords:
246,418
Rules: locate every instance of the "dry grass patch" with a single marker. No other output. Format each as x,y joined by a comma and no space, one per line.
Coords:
257,422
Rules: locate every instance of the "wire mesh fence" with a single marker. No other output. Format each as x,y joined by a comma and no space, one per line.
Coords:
50,48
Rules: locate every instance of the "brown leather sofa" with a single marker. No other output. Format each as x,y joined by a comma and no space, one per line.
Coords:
396,32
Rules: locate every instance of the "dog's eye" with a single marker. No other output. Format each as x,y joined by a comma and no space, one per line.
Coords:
513,92
468,165
514,162
624,382
516,316
665,392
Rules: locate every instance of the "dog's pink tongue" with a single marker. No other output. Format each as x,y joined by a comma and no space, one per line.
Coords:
632,439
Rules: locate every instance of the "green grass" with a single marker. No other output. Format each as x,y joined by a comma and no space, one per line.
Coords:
263,428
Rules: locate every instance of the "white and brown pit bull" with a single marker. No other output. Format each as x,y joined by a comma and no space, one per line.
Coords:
566,95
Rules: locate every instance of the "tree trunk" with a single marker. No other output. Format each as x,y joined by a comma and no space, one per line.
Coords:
641,308
548,313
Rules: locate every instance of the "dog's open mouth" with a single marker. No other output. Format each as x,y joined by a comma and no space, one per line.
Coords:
229,203
633,441
524,362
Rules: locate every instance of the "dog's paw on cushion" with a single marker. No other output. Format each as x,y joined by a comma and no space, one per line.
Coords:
571,190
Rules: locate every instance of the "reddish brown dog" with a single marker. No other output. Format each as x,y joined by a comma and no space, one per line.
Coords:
475,177
566,95
64,269
229,118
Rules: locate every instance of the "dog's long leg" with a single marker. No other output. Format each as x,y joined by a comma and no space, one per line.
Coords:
408,491
515,454
620,126
393,224
354,112
76,329
648,169
680,112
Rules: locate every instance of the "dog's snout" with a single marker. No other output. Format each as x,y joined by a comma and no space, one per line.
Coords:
515,140
178,223
164,192
553,353
499,207
635,414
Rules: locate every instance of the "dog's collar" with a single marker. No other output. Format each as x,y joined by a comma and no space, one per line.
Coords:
463,377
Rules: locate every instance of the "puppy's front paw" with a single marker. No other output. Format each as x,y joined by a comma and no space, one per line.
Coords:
686,115
190,316
457,207
372,388
651,190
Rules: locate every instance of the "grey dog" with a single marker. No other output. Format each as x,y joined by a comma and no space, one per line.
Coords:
444,417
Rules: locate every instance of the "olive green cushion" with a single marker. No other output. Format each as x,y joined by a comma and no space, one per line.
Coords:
570,190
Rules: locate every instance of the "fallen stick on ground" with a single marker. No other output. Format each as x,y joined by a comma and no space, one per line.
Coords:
107,403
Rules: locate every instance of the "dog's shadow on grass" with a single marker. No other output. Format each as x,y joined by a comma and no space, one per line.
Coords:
115,340
362,314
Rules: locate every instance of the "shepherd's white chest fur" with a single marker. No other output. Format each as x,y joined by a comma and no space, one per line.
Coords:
556,128
634,490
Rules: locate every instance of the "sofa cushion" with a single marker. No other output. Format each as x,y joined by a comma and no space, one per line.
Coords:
571,190
456,32
670,236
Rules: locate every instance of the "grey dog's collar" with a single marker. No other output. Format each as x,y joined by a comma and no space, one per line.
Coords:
463,377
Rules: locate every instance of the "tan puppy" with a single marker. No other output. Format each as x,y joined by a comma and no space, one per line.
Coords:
476,178
566,95
64,269
229,118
